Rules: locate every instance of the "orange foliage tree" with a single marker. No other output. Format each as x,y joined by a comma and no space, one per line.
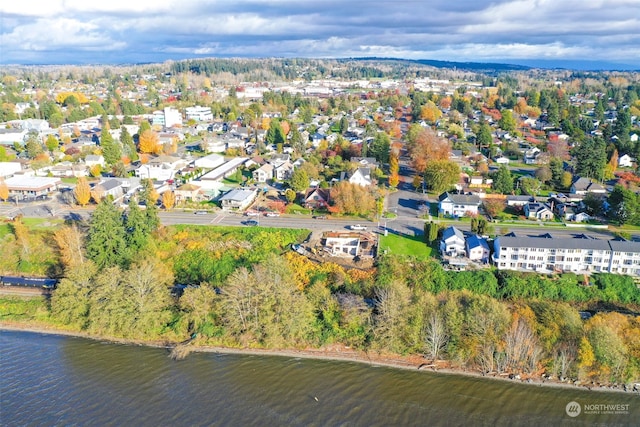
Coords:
4,190
425,146
82,192
149,142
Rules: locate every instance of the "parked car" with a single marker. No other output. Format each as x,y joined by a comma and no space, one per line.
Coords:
252,213
358,227
272,214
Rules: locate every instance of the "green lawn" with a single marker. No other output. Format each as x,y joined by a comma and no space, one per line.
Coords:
405,245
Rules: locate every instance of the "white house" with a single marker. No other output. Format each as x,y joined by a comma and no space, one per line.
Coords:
263,173
161,168
458,204
452,242
625,161
199,114
361,177
477,248
92,160
238,199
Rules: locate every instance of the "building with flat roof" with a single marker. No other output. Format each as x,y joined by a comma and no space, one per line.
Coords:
25,187
581,254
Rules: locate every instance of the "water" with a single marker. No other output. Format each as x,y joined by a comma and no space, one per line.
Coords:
52,380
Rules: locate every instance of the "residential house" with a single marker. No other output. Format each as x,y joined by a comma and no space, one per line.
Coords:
518,201
94,160
583,185
10,136
189,192
238,199
282,171
458,205
581,254
532,156
502,160
160,168
68,169
477,248
316,198
264,173
361,177
110,187
539,211
625,161
349,244
452,242
365,162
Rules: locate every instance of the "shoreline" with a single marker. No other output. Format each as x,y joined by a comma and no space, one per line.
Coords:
411,363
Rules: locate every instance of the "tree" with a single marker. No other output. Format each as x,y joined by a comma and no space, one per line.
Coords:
128,147
591,158
430,112
380,147
168,200
106,240
544,174
4,190
507,122
275,135
149,142
33,147
111,149
82,192
566,180
484,137
70,242
493,206
624,205
503,180
394,168
425,146
52,143
431,231
299,180
290,195
441,175
351,199
436,337
530,186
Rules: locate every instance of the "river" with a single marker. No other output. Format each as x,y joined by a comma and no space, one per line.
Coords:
49,380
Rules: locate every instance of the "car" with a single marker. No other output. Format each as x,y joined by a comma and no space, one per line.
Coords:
272,214
252,213
320,217
358,227
251,222
201,212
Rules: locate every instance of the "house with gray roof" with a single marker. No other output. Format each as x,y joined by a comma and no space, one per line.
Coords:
580,254
452,242
582,186
458,205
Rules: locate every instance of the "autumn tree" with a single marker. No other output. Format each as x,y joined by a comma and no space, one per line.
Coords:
494,206
507,122
425,146
4,190
70,242
430,112
149,142
168,200
394,168
51,143
441,175
352,199
82,191
299,180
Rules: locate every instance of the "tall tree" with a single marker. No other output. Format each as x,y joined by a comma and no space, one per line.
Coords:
503,180
82,191
70,241
149,142
128,146
106,239
275,135
380,147
507,122
111,149
425,146
299,180
441,175
168,200
591,158
4,190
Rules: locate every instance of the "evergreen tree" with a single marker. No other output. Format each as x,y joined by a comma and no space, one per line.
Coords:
106,239
129,147
275,134
484,137
591,158
621,129
299,180
137,228
507,122
503,180
110,149
150,197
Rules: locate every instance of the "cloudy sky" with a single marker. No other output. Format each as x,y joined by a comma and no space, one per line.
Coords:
131,31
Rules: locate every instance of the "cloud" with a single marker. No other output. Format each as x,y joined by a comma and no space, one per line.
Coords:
464,30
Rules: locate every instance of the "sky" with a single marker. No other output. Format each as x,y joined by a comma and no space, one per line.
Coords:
139,31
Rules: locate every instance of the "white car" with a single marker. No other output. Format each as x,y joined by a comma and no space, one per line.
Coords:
272,214
358,227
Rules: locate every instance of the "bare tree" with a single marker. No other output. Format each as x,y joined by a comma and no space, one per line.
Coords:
436,337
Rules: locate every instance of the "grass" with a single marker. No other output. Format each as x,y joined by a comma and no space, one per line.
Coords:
405,245
295,208
23,309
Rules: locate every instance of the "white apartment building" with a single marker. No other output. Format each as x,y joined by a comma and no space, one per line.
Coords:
199,114
167,118
581,254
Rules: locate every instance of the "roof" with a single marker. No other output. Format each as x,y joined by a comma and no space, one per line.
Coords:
582,242
110,184
461,199
451,232
238,195
31,182
475,241
585,184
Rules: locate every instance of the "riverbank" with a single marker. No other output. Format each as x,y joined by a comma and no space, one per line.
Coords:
332,353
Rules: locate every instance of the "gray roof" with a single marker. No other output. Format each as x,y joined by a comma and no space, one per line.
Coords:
238,195
567,243
461,199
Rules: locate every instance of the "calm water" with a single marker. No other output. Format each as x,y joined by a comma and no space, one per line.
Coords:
50,380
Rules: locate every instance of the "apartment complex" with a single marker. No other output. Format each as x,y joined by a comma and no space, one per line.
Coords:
581,254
